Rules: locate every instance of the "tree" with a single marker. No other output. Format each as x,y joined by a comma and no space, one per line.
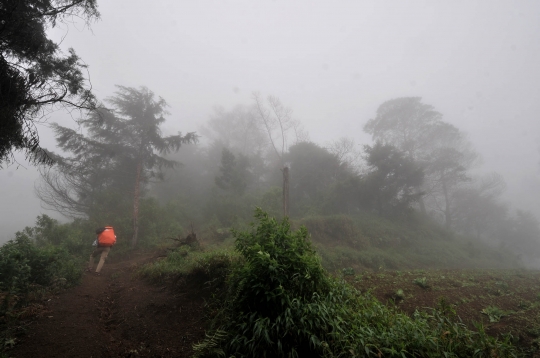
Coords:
281,128
315,171
239,131
440,148
35,77
121,154
348,155
391,185
234,173
477,208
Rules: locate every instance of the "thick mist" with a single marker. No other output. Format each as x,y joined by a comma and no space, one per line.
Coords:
333,64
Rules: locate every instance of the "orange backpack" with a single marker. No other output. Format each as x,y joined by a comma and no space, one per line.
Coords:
107,237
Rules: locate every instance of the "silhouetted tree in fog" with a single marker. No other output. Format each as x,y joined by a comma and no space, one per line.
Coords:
123,150
440,148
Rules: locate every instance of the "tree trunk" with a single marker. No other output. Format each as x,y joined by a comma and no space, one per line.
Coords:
136,207
285,171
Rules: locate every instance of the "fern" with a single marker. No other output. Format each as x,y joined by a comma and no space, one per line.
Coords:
209,347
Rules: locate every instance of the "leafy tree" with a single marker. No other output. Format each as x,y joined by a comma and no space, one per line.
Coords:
440,148
35,77
315,170
446,170
348,155
120,155
234,173
391,185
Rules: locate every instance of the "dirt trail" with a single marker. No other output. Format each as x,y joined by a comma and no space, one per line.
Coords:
116,315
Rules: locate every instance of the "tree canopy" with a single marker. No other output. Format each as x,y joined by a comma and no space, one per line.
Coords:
35,76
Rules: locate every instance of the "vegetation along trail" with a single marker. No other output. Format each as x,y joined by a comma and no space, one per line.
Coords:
115,315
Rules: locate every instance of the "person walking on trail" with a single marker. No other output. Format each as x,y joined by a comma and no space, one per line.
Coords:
104,241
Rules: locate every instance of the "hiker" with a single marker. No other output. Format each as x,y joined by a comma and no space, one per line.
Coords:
104,241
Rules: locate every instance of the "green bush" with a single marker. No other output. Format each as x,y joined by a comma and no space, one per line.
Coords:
25,267
281,303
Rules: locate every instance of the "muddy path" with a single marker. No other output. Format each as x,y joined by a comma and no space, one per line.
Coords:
116,315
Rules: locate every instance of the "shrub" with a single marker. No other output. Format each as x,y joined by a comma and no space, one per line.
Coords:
23,266
281,303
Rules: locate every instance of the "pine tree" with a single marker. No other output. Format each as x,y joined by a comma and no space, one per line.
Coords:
120,154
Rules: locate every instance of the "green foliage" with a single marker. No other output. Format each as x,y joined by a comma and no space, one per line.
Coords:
272,302
313,171
335,230
399,294
229,210
25,268
281,303
392,186
422,282
34,74
74,237
234,173
494,313
272,201
185,262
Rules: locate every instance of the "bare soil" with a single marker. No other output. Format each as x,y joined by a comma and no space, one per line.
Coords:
470,293
116,314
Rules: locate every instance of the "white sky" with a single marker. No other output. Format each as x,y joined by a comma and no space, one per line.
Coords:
332,62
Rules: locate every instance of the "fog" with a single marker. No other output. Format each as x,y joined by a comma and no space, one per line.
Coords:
333,63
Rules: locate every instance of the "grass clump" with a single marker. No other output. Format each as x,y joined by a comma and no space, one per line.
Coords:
280,302
186,262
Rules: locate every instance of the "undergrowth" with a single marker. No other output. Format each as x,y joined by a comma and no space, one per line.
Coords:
185,262
27,272
280,302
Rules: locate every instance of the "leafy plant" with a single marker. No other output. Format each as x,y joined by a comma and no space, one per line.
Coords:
422,282
494,313
281,303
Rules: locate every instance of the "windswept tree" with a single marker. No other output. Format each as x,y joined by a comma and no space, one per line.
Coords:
35,76
282,131
122,151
